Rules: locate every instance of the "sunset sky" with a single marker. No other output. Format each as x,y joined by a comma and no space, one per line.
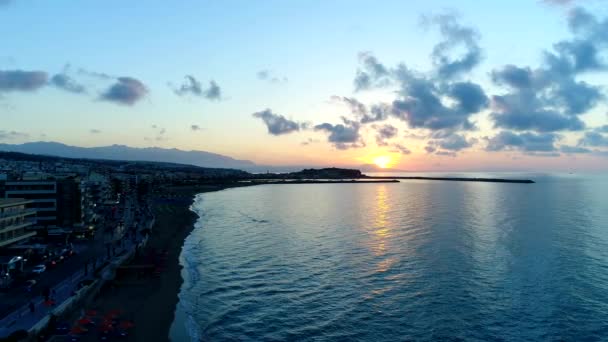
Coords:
424,85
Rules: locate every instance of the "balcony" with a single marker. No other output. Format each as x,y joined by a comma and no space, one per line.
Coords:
18,213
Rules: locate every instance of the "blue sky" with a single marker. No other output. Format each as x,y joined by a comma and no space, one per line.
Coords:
308,52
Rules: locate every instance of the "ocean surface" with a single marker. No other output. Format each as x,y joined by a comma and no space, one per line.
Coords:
410,261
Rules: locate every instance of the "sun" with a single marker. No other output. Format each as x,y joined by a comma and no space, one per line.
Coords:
382,161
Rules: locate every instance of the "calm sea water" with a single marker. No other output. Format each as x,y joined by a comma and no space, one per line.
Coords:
418,260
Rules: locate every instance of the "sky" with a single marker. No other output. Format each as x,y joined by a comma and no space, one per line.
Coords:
435,85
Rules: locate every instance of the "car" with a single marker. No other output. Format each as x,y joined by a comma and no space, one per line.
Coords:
39,269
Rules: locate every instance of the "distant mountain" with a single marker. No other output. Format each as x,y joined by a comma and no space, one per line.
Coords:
121,152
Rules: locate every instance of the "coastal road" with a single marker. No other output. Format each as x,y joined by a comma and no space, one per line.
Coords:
62,279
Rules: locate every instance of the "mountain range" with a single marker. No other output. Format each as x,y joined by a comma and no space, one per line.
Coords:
122,152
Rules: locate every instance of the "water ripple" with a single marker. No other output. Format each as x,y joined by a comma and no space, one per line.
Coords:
416,260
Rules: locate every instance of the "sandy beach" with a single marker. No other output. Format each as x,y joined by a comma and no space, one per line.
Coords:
149,301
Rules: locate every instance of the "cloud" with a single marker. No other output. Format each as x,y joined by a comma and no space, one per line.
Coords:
421,104
385,132
125,91
195,127
277,124
343,136
19,80
371,73
602,129
214,92
98,75
65,82
593,139
193,86
527,142
398,148
550,98
446,153
573,149
448,140
268,75
436,100
94,131
454,36
377,112
11,135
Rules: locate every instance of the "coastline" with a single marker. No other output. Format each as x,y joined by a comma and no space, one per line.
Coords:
151,302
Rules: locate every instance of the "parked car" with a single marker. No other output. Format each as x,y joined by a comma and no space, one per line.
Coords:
39,269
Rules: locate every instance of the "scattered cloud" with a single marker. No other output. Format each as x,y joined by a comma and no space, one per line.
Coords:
398,148
268,75
454,35
550,98
66,82
98,75
385,132
343,136
527,142
94,131
574,149
446,153
377,112
436,100
594,139
277,124
20,80
192,86
448,140
125,91
421,104
371,73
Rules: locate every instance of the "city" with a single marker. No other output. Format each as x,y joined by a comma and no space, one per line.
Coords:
64,224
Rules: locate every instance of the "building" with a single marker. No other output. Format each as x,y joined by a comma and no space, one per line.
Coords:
16,220
56,201
43,196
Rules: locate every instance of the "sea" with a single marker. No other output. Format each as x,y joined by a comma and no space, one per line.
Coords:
411,261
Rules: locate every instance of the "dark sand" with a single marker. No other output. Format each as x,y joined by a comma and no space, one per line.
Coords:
150,301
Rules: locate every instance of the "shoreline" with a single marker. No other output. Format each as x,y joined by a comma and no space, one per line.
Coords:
151,302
